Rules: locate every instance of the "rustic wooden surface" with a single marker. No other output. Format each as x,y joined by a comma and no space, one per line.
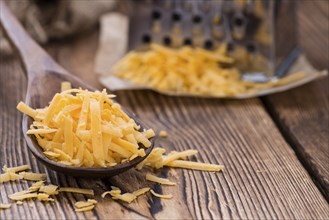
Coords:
263,178
302,113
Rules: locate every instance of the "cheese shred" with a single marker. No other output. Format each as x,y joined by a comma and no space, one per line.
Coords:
77,190
162,181
4,206
169,196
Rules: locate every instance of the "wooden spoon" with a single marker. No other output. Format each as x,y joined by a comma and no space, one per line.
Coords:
44,81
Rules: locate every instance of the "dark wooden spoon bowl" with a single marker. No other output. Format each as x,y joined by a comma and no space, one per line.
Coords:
44,81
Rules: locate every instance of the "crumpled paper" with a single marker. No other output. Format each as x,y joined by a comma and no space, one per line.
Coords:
113,45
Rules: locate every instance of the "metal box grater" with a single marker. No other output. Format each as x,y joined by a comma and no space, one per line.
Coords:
263,31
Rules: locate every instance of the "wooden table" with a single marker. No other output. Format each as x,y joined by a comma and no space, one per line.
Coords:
274,149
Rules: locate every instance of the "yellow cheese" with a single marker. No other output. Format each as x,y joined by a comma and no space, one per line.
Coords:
49,189
33,176
52,108
126,197
96,133
16,169
194,71
77,190
68,137
195,165
162,181
24,196
43,197
169,196
88,208
82,124
63,155
109,129
126,144
141,191
51,154
19,203
20,193
163,133
120,150
26,109
84,128
65,86
41,131
36,186
4,206
81,204
178,155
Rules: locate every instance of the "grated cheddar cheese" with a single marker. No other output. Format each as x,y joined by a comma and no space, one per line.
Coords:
163,134
77,190
84,128
162,181
4,206
82,206
169,196
196,71
157,159
126,197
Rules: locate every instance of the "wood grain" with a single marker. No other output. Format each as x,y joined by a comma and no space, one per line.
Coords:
313,31
302,113
263,178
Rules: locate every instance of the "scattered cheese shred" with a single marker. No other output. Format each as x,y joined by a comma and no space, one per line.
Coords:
19,203
177,155
4,206
16,169
169,196
163,134
33,176
162,181
126,197
76,190
4,177
85,209
141,191
26,109
36,186
65,86
157,159
82,204
49,189
195,165
84,128
16,196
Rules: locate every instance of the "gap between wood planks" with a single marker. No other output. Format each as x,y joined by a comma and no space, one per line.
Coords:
310,101
294,145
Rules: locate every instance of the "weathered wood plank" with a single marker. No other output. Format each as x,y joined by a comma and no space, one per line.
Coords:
262,176
262,179
302,113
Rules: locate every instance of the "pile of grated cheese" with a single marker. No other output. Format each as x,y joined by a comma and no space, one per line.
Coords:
84,128
195,71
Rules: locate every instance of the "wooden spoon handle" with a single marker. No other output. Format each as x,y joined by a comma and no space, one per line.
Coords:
34,58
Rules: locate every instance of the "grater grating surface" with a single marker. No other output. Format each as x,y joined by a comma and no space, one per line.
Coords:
262,30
